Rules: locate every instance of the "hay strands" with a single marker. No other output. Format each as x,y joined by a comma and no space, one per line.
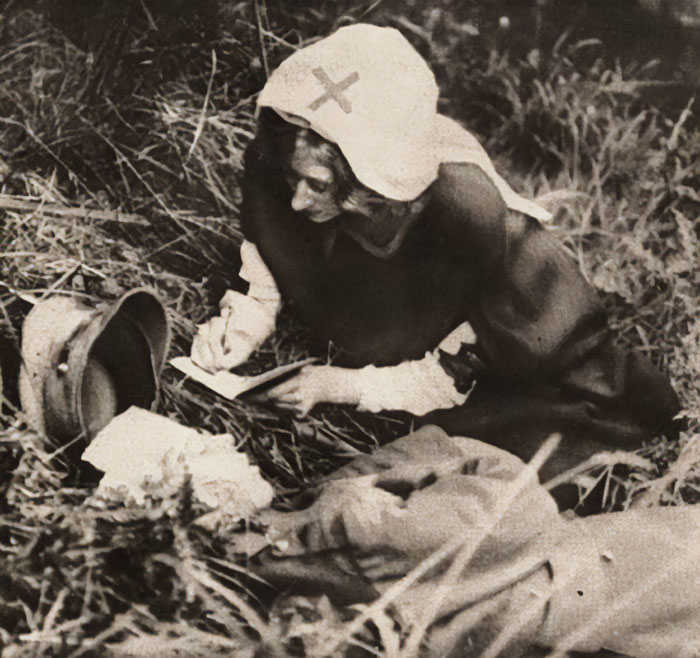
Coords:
26,204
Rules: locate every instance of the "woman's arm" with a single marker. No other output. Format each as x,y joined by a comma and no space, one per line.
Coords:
245,321
540,321
417,387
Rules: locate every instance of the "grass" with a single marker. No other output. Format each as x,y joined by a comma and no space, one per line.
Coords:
158,130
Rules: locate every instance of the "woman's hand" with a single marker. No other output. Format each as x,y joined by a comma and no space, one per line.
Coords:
315,384
228,340
211,349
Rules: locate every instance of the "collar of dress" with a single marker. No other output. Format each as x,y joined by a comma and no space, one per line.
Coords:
381,236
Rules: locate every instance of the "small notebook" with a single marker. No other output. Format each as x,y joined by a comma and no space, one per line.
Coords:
230,385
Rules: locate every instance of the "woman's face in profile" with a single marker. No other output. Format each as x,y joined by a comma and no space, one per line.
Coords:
313,182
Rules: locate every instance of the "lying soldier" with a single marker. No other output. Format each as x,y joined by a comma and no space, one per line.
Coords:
456,537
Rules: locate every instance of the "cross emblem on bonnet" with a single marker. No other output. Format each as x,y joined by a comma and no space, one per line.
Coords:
334,90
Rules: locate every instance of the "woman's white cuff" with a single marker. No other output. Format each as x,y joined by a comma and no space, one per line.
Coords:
250,318
414,386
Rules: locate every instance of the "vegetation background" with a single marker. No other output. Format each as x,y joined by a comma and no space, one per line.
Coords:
146,106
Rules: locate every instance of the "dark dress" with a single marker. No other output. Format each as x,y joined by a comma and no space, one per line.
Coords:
544,359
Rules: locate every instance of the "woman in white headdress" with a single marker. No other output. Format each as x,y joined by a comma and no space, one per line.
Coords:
387,227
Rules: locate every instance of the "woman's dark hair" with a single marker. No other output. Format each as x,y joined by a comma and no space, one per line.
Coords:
279,138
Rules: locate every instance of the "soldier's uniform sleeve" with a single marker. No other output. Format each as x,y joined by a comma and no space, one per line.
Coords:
375,521
626,582
379,516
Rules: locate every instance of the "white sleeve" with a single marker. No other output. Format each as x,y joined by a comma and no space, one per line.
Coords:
417,386
254,270
250,318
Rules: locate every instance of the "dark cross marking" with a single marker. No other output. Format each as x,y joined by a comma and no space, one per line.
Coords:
334,90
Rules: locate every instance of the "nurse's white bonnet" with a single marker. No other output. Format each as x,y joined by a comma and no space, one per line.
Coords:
366,89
